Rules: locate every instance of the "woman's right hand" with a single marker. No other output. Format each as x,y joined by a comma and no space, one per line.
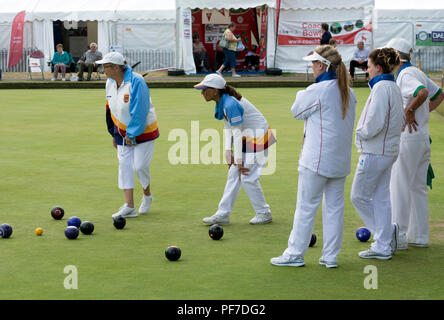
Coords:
229,158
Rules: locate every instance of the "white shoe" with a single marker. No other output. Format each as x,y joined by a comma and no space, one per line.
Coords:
395,238
125,212
283,261
261,218
328,264
146,204
402,242
370,254
53,79
236,76
222,220
418,245
63,79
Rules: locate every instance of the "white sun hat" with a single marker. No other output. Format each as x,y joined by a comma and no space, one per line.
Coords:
112,57
212,80
400,44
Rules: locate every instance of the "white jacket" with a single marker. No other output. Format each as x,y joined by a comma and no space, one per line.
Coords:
379,129
328,139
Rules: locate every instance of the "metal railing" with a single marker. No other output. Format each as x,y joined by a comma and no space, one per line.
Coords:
22,66
432,59
150,59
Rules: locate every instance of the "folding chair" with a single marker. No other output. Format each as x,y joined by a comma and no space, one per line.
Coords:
34,66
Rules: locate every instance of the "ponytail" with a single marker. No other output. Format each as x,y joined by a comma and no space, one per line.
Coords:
230,91
332,55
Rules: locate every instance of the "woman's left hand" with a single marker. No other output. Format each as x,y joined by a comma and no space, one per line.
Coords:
128,141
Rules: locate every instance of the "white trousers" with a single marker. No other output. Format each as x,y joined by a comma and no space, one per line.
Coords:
370,196
255,162
312,188
408,187
135,159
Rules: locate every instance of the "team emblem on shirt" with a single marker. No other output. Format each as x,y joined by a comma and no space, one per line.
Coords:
126,98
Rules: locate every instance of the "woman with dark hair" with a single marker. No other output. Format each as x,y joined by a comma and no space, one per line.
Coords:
378,135
328,110
326,35
247,130
230,51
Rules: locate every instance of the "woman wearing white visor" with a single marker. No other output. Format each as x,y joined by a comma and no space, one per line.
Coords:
328,109
247,130
377,138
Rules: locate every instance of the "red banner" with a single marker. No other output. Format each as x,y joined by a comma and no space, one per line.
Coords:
263,38
16,44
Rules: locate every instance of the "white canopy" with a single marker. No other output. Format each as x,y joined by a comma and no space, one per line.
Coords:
227,4
88,10
124,23
325,5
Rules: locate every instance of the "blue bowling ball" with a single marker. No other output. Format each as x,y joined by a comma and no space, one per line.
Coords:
72,232
74,221
363,234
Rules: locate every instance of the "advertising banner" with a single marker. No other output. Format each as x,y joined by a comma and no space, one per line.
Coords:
294,33
429,34
16,43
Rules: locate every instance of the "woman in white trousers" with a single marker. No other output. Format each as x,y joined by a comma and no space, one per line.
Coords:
328,109
377,138
408,185
247,130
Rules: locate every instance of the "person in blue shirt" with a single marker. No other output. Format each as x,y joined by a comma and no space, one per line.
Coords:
60,61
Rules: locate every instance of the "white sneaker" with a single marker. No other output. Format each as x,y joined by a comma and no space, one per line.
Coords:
125,212
370,254
395,238
328,264
63,79
261,218
222,220
418,245
283,261
402,242
236,76
53,79
146,204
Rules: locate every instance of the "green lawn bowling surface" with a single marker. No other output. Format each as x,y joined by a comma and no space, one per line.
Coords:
56,151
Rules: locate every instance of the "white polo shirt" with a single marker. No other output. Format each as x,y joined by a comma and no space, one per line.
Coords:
410,80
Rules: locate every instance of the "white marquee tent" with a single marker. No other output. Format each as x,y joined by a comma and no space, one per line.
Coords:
137,25
129,24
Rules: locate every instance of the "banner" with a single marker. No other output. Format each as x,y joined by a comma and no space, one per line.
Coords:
263,37
293,33
16,43
429,34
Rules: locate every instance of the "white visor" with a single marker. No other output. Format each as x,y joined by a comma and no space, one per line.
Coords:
314,56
